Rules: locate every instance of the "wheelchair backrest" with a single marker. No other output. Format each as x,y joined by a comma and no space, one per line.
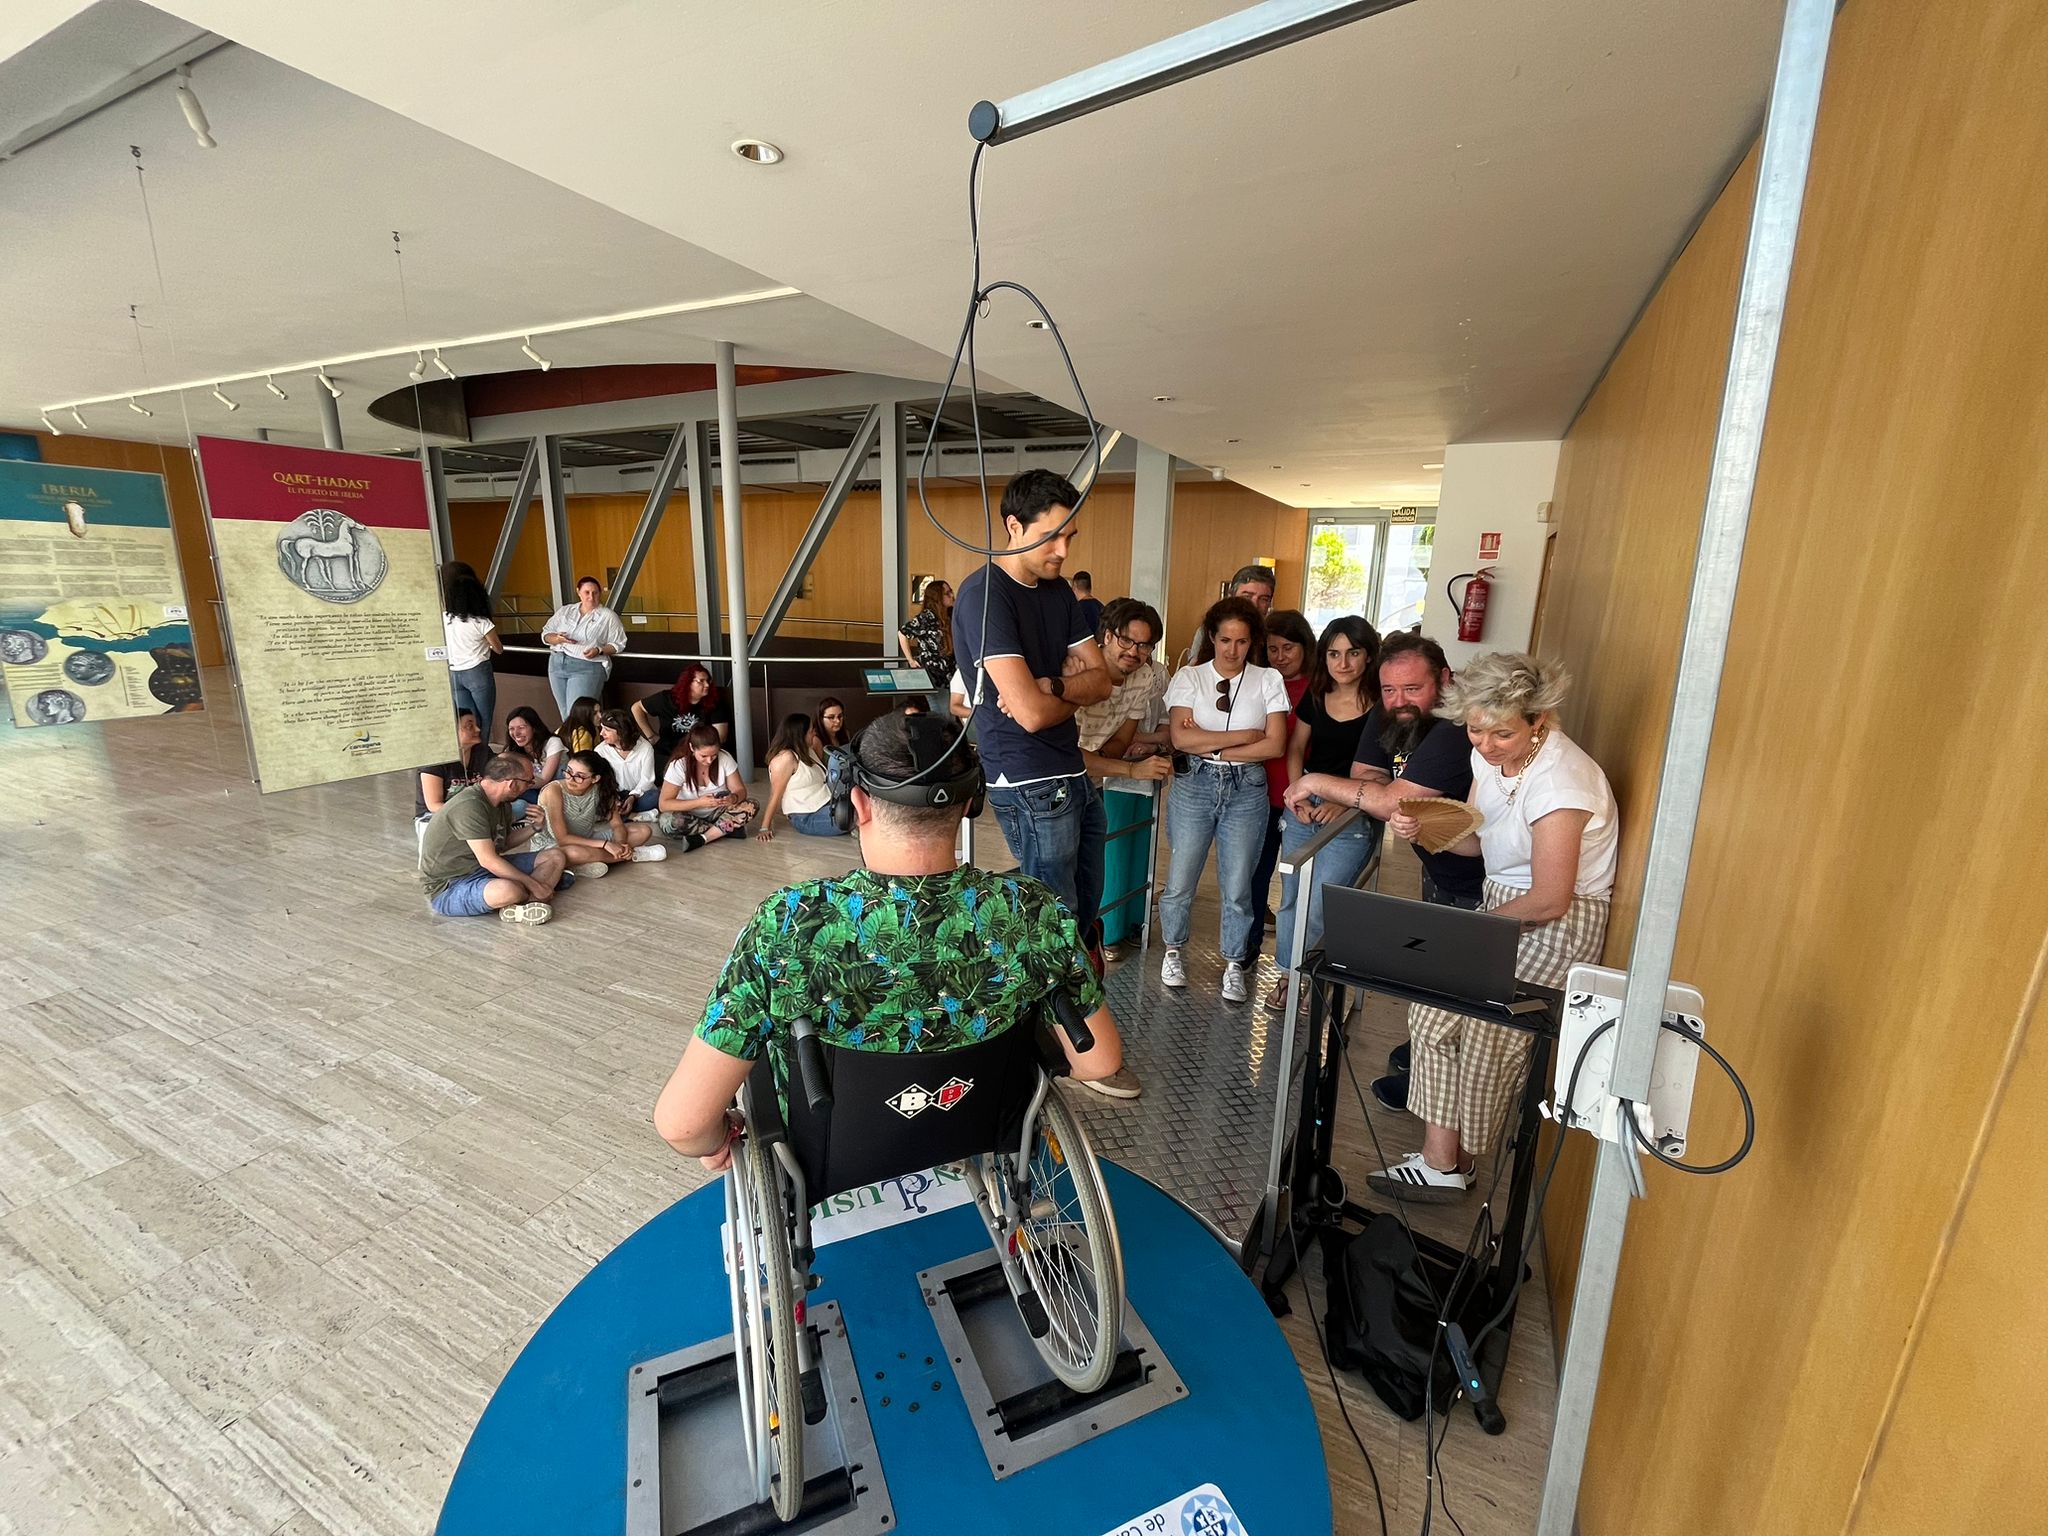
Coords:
893,1114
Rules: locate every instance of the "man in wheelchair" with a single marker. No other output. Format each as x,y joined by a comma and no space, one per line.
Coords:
901,1015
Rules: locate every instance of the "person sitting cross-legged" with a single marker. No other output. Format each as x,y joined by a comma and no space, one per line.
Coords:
587,818
470,858
911,953
703,797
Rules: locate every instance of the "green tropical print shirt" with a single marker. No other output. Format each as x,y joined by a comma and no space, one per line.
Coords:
896,963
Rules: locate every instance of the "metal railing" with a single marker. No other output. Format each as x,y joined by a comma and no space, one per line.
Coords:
516,620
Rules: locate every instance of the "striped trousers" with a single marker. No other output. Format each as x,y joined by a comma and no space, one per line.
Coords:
1467,1073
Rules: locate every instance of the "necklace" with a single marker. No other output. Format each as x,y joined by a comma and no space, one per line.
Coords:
1522,768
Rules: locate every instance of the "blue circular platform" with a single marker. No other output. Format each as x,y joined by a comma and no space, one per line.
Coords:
549,1454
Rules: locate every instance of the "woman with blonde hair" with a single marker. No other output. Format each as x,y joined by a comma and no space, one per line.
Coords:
1548,839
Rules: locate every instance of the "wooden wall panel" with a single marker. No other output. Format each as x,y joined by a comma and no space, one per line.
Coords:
1866,946
188,520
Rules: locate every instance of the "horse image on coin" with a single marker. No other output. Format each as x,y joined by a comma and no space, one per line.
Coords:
329,555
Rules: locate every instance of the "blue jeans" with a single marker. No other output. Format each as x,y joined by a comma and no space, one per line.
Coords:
816,823
464,897
1223,803
1337,864
646,800
574,677
476,690
1055,829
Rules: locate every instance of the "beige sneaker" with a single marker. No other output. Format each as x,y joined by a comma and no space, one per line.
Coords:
526,912
596,870
1121,1084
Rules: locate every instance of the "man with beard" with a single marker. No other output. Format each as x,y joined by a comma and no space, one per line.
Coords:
1405,753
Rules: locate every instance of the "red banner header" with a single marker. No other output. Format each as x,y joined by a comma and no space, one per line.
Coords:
277,483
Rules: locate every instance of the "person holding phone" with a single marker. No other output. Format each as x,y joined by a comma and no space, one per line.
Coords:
703,798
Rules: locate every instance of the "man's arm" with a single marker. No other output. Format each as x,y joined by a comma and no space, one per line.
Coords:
497,864
1085,675
1112,760
690,1114
1023,697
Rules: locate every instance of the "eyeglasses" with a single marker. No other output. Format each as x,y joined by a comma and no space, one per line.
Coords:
577,776
1142,647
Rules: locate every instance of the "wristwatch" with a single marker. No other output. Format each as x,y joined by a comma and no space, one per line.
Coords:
1059,687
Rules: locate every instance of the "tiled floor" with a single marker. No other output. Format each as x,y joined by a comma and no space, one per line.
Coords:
290,1170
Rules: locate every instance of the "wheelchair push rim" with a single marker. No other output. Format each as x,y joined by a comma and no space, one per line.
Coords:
764,1331
1065,1241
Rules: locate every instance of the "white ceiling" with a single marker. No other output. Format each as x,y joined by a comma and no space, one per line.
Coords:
1432,226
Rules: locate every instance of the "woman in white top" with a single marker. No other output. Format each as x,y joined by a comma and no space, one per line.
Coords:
632,758
796,783
703,797
582,639
525,732
472,635
1226,717
1549,841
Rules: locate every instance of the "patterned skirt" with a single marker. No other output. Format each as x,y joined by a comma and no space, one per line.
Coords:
702,823
1467,1073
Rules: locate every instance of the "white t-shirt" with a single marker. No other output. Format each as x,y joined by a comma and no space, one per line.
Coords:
550,751
676,774
1562,778
635,769
1253,694
466,645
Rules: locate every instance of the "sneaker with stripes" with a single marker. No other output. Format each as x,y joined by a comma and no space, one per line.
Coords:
1413,1179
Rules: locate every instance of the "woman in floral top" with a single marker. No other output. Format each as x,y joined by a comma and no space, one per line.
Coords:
927,640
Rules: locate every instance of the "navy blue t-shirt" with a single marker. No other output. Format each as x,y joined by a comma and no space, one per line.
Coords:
1040,624
1441,761
1091,613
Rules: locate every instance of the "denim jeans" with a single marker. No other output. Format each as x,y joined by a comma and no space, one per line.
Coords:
574,677
1056,828
1337,864
476,690
646,800
1223,803
816,823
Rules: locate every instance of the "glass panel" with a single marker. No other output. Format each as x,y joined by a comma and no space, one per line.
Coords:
1339,571
1404,589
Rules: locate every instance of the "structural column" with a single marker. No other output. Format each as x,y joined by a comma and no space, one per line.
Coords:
554,510
703,536
330,418
1152,526
432,471
735,556
895,529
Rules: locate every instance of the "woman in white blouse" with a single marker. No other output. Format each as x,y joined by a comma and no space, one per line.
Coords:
1549,841
1226,718
632,758
582,638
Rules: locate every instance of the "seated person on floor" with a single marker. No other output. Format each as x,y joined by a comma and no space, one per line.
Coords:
524,732
580,725
586,818
910,953
703,797
437,783
632,758
796,783
471,860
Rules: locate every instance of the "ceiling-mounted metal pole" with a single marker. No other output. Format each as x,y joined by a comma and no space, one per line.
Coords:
735,556
1745,402
330,419
1242,35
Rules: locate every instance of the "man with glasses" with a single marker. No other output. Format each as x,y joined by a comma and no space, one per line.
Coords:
469,859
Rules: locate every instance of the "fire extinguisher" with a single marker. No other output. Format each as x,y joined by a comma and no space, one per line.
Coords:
1472,608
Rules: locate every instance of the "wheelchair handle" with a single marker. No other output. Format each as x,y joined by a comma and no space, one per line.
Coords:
810,1065
1069,1015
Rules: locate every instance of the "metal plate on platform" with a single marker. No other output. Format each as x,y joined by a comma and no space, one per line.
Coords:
686,1463
997,1368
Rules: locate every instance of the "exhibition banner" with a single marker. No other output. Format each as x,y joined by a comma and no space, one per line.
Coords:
334,608
93,624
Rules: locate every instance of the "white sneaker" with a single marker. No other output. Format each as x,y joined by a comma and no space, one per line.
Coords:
526,912
649,853
645,816
1173,970
592,871
1413,1179
1233,982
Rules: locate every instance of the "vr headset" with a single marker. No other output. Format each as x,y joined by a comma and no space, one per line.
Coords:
949,771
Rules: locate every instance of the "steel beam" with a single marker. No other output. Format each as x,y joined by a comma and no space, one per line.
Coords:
895,522
995,421
729,496
798,434
651,512
1731,483
515,521
433,472
554,511
1241,35
1152,528
703,536
820,527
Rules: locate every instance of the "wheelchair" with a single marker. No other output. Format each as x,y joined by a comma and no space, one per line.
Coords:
861,1117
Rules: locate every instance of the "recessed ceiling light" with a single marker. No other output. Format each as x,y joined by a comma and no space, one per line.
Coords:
1038,325
1432,466
759,151
1304,485
1162,399
1233,439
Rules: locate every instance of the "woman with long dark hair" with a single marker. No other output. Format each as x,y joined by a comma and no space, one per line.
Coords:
586,817
632,758
580,725
525,731
1290,651
927,640
830,730
796,783
1226,717
1328,719
703,797
471,630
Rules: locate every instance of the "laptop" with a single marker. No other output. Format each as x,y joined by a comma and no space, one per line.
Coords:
1467,959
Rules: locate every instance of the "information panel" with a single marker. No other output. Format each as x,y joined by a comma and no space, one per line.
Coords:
327,565
93,624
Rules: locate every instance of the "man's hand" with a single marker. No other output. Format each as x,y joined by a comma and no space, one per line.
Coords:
1404,826
535,817
1297,797
535,891
1152,768
1075,664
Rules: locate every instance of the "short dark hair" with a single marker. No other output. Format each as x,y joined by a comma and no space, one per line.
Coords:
1082,579
464,714
1413,642
900,746
1031,495
592,580
1262,574
1124,609
1292,624
508,765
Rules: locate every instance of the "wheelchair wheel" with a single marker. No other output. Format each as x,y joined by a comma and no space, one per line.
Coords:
764,1329
1066,1243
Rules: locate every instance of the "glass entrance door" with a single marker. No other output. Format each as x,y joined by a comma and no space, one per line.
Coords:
1365,562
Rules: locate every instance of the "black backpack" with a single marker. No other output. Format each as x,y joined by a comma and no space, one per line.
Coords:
1382,1319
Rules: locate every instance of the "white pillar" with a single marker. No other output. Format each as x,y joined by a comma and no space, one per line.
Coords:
330,417
735,556
1152,526
1491,488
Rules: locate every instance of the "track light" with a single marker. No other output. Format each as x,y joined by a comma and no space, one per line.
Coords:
326,383
51,427
224,400
195,115
526,346
138,408
441,365
271,384
418,370
79,419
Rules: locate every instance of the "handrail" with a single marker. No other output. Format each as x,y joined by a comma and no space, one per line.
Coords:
868,658
1305,854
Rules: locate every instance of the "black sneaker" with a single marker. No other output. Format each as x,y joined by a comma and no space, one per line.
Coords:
1392,1092
1401,1059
